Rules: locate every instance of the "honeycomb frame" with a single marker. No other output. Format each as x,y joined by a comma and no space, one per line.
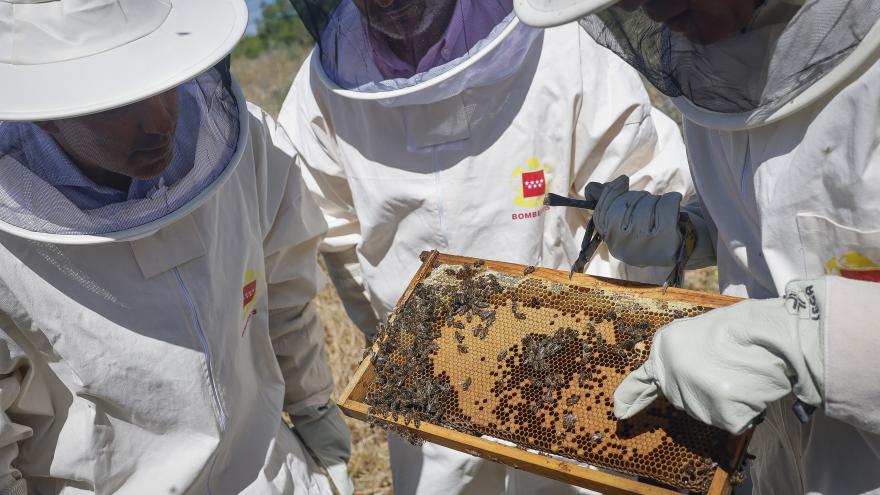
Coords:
582,337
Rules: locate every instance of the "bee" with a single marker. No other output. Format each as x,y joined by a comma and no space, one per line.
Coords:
477,330
586,352
574,399
537,405
463,349
458,324
466,384
586,376
596,437
423,257
611,315
704,470
435,264
459,337
568,421
502,355
479,263
548,397
528,270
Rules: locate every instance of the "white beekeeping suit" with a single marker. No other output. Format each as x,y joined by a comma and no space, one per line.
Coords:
458,156
781,126
152,335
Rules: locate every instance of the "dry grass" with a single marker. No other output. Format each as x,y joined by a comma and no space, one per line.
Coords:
266,81
267,78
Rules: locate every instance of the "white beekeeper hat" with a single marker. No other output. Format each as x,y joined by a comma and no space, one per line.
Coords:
64,58
548,13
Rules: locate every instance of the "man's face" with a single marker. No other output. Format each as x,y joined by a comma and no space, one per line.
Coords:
406,19
701,21
136,141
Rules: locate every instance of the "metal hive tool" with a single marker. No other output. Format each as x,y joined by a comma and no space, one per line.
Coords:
484,350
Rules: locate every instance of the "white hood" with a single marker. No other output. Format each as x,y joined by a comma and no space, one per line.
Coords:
492,59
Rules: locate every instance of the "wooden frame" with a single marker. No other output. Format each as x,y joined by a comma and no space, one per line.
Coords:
351,400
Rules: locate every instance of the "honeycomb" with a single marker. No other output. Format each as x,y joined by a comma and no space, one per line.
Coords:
534,362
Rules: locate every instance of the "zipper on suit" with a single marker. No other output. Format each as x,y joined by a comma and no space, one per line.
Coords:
218,405
438,188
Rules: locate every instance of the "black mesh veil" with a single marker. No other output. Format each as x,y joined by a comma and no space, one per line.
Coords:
175,147
375,46
786,48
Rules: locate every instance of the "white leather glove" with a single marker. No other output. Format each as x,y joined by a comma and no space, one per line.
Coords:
642,229
323,430
725,367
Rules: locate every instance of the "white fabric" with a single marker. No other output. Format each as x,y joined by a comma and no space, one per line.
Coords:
77,57
345,272
163,365
725,367
509,47
547,13
338,473
797,200
323,431
56,30
394,180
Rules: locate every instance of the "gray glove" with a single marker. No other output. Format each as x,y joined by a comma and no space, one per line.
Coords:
17,487
643,229
323,430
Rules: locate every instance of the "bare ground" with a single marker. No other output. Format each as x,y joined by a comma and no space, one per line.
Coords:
266,80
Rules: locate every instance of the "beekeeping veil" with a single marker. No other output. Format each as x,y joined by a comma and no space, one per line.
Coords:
388,49
61,60
792,54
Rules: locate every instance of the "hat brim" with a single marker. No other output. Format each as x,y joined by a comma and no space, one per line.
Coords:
195,36
532,13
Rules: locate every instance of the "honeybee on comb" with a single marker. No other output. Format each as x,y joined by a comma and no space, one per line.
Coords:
536,366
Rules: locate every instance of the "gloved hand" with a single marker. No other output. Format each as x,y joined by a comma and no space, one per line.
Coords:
323,430
642,229
725,367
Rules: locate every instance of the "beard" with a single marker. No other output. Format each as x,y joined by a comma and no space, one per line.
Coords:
412,23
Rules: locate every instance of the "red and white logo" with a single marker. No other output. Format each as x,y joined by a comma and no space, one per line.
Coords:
249,291
534,184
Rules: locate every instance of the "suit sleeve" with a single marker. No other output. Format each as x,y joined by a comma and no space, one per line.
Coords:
23,395
618,132
293,228
851,344
304,118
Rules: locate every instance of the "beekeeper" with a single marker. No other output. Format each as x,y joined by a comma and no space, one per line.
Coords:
781,103
157,263
442,125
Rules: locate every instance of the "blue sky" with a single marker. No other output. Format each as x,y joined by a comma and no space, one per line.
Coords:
254,7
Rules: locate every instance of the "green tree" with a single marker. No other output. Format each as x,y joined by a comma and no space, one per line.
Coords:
278,27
